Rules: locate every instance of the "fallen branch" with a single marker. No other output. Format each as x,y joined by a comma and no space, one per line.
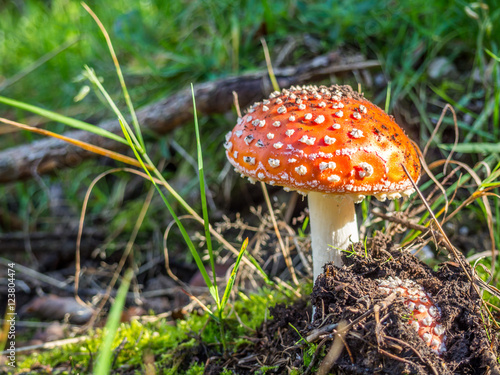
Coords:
46,155
48,345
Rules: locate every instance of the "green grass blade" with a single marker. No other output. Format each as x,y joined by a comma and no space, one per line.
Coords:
62,119
462,125
388,98
204,206
448,99
473,148
232,278
93,78
188,208
119,73
103,365
184,233
492,55
481,120
38,63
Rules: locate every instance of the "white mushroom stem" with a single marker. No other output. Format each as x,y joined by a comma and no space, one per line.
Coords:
333,228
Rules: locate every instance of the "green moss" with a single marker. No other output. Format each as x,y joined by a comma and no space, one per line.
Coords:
264,369
172,346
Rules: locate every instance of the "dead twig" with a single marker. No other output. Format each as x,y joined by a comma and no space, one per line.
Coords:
318,332
401,342
48,345
408,224
36,275
335,350
393,356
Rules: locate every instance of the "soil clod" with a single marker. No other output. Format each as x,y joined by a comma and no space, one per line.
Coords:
384,342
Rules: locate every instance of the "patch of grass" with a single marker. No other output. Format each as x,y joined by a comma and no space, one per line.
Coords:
159,41
170,344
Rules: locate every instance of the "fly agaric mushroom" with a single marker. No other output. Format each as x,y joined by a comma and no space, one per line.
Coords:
425,314
328,143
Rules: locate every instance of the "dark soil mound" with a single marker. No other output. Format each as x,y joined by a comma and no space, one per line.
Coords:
387,344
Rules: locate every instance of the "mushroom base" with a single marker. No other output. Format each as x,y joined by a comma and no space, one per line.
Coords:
333,228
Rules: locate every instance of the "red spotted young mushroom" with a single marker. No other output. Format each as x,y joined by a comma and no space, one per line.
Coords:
425,314
331,144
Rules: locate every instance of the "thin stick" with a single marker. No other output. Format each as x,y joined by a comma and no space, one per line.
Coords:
401,342
36,275
335,350
318,332
284,249
48,345
381,351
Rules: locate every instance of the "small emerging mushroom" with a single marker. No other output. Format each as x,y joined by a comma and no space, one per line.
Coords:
328,143
425,314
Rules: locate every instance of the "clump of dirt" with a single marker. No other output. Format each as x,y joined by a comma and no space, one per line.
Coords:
384,342
378,338
273,346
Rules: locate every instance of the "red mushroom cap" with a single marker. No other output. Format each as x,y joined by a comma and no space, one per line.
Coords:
326,139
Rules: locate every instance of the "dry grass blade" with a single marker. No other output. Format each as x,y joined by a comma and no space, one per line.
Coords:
436,128
403,343
80,230
118,72
126,252
197,217
427,170
236,103
165,250
284,249
267,56
460,259
86,146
